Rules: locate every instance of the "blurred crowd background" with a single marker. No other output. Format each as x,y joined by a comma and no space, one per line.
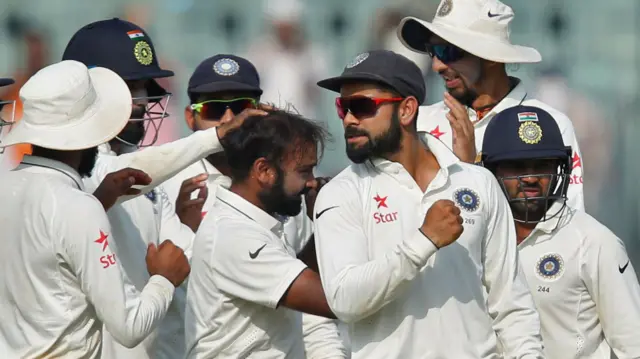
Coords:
590,68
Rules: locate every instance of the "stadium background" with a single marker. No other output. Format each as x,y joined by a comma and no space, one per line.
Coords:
590,68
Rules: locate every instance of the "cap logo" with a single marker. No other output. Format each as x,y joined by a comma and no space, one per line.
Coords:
530,132
445,8
143,53
226,67
527,116
358,60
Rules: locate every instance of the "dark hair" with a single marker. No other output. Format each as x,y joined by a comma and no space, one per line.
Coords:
276,137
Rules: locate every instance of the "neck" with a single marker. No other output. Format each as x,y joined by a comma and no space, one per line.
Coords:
492,91
523,230
69,158
243,190
417,160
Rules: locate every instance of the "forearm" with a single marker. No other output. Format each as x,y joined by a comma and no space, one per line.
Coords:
321,338
358,291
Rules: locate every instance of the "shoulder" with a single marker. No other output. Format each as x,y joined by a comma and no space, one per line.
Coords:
427,114
561,118
346,184
594,233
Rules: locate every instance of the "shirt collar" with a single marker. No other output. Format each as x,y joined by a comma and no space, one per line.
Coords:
559,212
58,167
514,98
249,210
443,154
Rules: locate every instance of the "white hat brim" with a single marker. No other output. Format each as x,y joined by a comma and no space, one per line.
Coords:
478,44
99,124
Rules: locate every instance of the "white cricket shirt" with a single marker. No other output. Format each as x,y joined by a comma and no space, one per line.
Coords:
241,268
433,119
60,276
401,297
584,287
146,219
321,337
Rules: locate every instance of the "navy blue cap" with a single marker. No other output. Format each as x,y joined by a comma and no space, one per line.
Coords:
118,45
6,82
384,67
223,73
521,133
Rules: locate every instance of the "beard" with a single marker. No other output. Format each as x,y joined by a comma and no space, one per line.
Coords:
379,146
276,200
87,162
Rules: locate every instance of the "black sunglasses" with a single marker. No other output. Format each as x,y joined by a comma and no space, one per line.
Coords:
446,53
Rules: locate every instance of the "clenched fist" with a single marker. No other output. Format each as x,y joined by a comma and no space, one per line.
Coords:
168,261
118,184
442,224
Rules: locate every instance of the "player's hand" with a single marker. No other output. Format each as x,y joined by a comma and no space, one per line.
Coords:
118,184
442,224
190,210
236,121
168,261
464,139
310,197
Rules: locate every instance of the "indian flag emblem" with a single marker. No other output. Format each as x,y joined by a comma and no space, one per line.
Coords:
527,116
135,34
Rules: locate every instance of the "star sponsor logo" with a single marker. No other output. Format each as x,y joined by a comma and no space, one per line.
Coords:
576,162
380,217
106,260
436,132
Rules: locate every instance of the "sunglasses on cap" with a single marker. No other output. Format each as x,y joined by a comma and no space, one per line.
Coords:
446,53
361,106
215,109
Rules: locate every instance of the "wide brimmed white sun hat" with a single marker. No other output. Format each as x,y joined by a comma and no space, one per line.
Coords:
67,107
479,27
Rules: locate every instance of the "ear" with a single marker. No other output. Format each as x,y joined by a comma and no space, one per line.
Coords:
263,172
407,110
189,117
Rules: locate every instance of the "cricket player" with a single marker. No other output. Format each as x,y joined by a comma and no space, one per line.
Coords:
60,279
415,247
247,287
126,49
219,88
468,41
579,273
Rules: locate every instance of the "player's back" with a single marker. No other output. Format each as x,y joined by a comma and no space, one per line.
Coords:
43,309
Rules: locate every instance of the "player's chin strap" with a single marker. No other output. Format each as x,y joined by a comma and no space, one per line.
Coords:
154,115
6,122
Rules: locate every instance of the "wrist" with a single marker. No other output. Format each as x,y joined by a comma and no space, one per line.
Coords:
427,237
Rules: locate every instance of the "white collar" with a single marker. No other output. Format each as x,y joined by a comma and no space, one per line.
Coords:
249,210
514,98
56,166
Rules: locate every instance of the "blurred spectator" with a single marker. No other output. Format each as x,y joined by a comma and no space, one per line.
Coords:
288,64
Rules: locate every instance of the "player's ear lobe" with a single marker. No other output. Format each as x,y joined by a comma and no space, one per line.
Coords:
264,172
189,117
408,109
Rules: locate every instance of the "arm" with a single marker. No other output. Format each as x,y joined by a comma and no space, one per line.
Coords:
617,295
575,194
87,247
321,338
171,227
271,276
509,301
357,286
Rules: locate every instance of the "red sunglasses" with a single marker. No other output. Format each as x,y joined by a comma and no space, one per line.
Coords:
361,106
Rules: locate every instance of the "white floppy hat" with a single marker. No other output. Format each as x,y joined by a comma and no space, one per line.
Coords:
479,27
69,107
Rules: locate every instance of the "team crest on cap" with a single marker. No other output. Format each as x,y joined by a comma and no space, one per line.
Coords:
445,8
143,53
467,199
530,132
358,60
226,67
550,266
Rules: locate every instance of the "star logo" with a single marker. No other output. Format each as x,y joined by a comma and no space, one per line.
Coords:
381,201
577,161
436,132
103,240
204,214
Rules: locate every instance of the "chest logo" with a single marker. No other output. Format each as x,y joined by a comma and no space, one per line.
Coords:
550,266
381,217
467,199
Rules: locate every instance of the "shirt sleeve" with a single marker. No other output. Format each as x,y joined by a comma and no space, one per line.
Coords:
321,338
248,264
357,286
575,193
88,249
612,282
171,227
164,161
509,301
